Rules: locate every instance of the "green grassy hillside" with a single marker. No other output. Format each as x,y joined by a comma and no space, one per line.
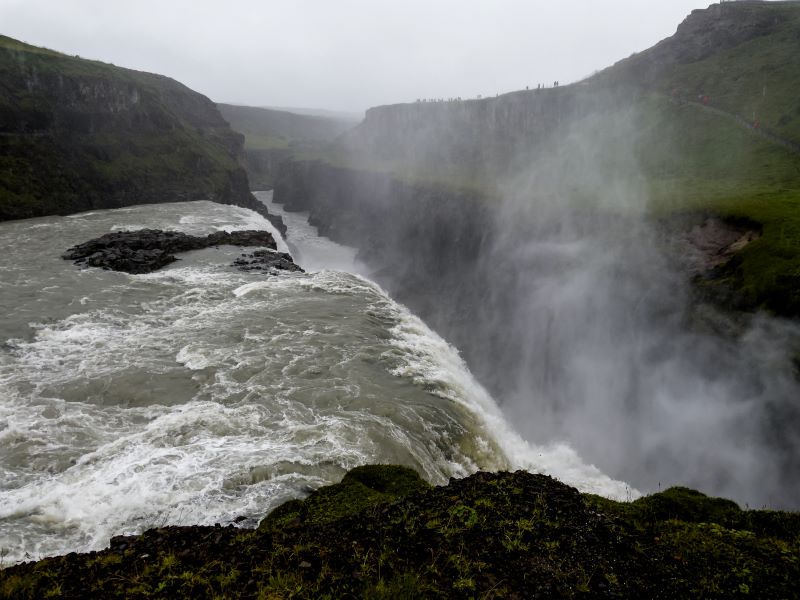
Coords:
739,57
707,122
273,136
266,129
78,134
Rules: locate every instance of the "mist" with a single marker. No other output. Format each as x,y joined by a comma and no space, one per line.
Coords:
571,296
606,347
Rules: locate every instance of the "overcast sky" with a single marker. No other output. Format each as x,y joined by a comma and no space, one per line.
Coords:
349,54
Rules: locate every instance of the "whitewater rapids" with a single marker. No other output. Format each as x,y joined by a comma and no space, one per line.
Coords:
200,394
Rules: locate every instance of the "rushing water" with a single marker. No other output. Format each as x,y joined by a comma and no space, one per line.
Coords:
199,394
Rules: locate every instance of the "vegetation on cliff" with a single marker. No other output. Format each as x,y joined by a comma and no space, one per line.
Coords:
704,123
384,533
273,136
267,128
77,134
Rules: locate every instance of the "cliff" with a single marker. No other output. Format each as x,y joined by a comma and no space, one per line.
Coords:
77,135
704,123
274,136
737,57
422,240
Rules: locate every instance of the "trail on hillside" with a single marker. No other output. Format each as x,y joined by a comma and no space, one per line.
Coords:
742,122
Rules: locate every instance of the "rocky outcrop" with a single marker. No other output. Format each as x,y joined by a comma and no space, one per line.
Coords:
266,261
385,533
715,241
79,135
148,250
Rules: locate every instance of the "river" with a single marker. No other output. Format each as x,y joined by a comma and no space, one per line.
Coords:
200,394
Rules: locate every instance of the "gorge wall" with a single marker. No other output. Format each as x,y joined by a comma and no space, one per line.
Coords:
420,240
273,136
78,135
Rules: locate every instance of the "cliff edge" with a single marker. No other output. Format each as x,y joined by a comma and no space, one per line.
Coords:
79,135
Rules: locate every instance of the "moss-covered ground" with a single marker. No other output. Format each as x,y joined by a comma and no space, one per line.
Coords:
384,533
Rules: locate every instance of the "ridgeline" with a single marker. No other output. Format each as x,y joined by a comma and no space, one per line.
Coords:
272,137
704,124
78,135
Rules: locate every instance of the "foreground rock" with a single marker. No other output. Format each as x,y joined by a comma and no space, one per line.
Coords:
148,250
384,533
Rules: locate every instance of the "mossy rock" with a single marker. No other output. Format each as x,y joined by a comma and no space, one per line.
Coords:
688,505
384,533
360,488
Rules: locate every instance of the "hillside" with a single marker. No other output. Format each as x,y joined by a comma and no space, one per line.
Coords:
266,128
384,533
738,57
77,134
705,122
273,136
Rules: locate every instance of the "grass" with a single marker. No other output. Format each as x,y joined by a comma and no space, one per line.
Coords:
12,44
757,79
701,162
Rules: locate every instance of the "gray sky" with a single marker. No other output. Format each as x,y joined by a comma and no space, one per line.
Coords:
349,54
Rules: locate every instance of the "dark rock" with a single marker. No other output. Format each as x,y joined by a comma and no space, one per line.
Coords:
277,222
119,543
148,250
266,261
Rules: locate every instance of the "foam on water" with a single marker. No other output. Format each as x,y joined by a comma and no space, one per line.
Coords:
198,394
436,365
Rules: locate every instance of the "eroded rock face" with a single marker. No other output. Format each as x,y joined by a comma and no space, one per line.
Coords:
148,250
714,242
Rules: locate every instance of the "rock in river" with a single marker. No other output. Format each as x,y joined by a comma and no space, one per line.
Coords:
148,250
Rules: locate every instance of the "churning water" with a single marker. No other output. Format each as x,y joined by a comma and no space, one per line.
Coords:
199,394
